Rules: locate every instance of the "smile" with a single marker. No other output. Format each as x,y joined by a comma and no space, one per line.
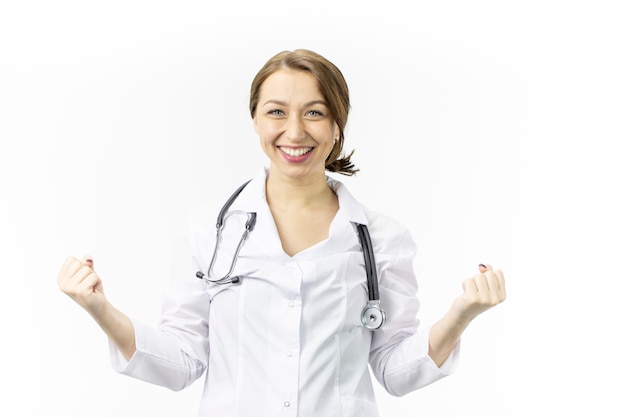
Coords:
295,152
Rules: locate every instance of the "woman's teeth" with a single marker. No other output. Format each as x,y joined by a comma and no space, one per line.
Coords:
296,151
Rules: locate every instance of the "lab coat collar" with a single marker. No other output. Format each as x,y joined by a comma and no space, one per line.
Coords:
253,199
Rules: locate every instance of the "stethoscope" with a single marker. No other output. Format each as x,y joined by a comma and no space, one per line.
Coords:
373,316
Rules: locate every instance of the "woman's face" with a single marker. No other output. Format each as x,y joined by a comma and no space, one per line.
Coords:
294,124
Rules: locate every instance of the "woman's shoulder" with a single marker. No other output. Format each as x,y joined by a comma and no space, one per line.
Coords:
379,223
380,220
389,227
205,211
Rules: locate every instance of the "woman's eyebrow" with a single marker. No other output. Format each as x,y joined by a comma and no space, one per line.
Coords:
307,104
314,102
273,101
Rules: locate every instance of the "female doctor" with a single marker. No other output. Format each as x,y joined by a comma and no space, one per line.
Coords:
276,325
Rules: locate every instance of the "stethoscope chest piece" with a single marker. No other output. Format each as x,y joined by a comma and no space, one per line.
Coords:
373,317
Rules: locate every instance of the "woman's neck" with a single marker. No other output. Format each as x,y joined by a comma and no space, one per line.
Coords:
287,193
303,210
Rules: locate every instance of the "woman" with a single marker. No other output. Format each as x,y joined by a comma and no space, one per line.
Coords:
282,333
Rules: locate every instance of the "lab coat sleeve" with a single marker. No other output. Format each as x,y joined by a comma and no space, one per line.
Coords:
399,352
175,353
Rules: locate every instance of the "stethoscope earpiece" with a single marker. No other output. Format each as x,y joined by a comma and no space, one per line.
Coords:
226,280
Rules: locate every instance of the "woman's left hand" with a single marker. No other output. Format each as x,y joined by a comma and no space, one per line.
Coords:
480,293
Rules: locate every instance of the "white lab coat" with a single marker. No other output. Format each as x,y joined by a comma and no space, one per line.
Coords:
288,340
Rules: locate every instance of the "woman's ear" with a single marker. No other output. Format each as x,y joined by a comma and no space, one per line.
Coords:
254,124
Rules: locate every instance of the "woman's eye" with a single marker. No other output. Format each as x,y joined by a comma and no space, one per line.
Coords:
314,113
275,112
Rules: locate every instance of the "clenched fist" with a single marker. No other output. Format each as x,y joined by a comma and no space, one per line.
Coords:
480,293
79,280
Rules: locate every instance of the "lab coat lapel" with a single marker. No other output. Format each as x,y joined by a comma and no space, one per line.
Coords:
265,239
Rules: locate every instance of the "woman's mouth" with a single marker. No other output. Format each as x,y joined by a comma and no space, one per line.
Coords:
295,152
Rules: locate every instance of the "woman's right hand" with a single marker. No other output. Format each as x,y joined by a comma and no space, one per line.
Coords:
80,282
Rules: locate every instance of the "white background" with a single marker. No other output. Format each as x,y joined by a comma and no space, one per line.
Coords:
493,129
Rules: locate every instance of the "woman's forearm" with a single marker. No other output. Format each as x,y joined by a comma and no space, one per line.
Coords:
480,293
119,328
443,337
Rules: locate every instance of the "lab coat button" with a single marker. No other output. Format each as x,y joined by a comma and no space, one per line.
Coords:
291,304
286,403
289,353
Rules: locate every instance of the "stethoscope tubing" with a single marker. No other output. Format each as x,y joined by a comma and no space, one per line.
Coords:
370,264
372,316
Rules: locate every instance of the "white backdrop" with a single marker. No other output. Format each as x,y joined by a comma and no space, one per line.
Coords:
494,130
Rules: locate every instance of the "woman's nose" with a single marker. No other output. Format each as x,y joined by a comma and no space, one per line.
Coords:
294,130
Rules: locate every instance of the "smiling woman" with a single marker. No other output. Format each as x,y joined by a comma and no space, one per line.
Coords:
294,124
330,84
290,329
